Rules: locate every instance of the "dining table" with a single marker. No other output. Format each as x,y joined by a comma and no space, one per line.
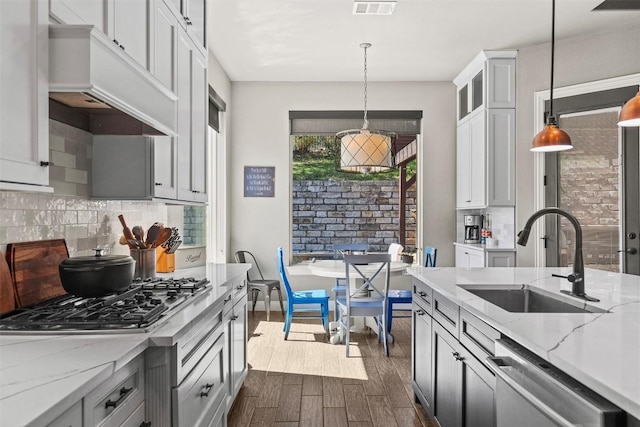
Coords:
335,268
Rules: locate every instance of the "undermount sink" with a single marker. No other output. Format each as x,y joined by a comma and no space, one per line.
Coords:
526,299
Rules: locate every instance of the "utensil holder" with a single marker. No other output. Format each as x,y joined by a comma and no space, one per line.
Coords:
165,263
145,263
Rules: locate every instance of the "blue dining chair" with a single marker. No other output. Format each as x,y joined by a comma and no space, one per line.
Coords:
397,297
304,302
338,250
365,299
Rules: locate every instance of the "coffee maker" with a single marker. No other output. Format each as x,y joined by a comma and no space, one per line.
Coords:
472,227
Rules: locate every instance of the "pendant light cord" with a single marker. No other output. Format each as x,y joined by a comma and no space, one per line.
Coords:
551,118
366,121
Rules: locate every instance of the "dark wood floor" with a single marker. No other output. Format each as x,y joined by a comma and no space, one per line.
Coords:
305,381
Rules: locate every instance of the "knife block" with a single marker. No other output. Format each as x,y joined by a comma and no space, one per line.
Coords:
165,263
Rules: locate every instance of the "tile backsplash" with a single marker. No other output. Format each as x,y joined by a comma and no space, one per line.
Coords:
68,213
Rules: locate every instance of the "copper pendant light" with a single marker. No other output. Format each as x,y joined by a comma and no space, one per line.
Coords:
630,113
551,138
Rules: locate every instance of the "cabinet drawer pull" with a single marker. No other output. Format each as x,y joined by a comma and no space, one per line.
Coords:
422,294
207,389
121,47
226,300
145,424
457,356
114,403
420,312
234,317
158,183
239,287
116,42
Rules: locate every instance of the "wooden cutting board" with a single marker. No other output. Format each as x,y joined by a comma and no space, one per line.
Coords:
7,295
34,270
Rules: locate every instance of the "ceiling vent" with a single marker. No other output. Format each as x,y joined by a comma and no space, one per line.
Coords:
373,7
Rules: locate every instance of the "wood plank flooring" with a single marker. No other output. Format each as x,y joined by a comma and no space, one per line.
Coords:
306,381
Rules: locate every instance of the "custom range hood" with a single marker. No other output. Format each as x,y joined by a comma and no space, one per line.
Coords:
93,85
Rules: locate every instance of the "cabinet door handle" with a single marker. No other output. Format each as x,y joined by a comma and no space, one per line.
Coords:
114,403
422,294
121,47
45,164
420,312
145,424
207,389
234,317
457,356
226,300
116,42
239,287
158,183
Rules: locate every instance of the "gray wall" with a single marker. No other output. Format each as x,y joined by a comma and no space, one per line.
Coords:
578,60
260,129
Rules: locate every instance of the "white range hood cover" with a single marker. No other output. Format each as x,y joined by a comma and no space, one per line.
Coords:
83,60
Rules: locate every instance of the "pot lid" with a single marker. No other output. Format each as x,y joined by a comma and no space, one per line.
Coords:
97,260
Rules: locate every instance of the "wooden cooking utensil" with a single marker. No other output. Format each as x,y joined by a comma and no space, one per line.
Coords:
126,231
138,232
152,235
7,292
163,236
34,270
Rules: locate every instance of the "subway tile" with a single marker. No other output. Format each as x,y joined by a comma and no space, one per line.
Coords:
76,176
48,232
56,143
51,202
63,159
23,234
83,163
76,204
64,188
20,200
114,206
99,205
87,217
75,231
36,217
56,173
64,217
87,244
12,217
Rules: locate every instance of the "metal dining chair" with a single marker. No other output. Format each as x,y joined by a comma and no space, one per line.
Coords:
306,303
402,298
339,250
365,299
256,282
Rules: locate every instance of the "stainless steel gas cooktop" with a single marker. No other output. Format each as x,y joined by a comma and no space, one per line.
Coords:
137,309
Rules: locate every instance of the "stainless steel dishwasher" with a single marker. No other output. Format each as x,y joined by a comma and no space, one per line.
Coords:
531,393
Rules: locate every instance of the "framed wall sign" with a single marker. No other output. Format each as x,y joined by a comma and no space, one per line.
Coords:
259,181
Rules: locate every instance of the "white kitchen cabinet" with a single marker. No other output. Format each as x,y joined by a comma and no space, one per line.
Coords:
470,257
485,159
72,417
123,21
134,167
192,121
24,93
163,44
191,15
237,329
485,153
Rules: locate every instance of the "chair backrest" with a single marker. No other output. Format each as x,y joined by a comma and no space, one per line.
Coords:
395,250
339,247
283,273
354,264
430,254
254,273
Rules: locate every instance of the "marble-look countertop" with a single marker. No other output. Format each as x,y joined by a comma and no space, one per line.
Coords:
42,375
484,247
600,350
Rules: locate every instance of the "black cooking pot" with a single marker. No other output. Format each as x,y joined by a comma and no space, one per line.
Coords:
96,276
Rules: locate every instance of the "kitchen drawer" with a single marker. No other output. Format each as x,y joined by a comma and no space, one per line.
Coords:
239,290
72,417
477,336
220,417
112,402
423,294
137,418
196,399
192,347
446,313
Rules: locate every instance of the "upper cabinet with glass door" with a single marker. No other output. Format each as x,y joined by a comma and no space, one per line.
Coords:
489,81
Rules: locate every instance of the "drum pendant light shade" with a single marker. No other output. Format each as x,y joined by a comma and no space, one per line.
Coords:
364,150
630,113
551,138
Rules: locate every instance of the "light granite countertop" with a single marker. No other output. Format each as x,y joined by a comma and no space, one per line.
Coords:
601,350
42,375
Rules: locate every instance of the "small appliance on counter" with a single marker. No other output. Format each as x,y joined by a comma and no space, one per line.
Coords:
472,227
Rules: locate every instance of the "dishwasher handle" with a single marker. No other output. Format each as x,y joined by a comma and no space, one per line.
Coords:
501,367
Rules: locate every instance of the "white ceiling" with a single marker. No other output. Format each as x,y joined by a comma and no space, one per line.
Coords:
424,40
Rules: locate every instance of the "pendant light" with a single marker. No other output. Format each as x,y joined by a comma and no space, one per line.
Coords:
364,150
630,113
551,138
